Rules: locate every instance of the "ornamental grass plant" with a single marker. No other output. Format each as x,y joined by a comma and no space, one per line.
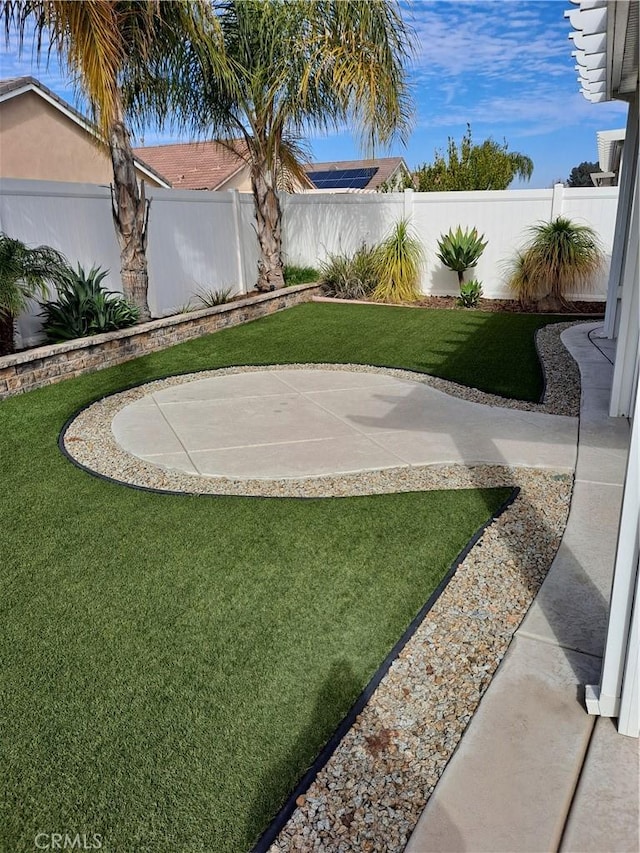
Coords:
398,261
560,257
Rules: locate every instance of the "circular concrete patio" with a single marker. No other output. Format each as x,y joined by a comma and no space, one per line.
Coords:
279,424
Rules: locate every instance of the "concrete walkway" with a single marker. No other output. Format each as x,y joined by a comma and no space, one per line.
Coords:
535,772
274,424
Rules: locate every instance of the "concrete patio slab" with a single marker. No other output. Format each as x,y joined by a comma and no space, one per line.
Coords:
274,424
529,729
223,388
605,816
573,603
347,454
143,429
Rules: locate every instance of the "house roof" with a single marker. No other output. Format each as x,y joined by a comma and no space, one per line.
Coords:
610,143
385,168
14,86
195,165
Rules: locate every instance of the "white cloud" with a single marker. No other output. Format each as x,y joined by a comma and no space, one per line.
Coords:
491,40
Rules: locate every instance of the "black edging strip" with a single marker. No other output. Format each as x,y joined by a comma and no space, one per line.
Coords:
279,821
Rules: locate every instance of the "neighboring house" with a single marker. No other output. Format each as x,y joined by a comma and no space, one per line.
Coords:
610,145
200,165
212,166
44,138
363,175
606,41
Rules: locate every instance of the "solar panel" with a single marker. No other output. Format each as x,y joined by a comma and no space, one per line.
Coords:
334,179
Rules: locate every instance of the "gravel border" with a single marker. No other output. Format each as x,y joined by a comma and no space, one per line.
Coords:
372,790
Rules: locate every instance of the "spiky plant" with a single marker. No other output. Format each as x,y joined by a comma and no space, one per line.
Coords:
398,261
560,257
350,276
210,298
84,307
25,273
460,250
519,280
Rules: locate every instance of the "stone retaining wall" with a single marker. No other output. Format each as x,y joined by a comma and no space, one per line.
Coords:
54,362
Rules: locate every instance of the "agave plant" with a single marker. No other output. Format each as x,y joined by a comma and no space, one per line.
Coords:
460,250
398,261
24,274
470,294
84,307
560,256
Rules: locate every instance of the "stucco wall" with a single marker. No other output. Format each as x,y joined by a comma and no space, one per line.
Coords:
39,142
241,181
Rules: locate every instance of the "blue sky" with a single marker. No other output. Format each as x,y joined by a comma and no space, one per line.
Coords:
504,66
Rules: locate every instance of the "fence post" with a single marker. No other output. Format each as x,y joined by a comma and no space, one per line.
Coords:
237,225
557,200
408,203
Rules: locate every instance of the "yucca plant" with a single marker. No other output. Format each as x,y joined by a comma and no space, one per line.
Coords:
211,298
398,261
560,256
24,274
460,250
84,307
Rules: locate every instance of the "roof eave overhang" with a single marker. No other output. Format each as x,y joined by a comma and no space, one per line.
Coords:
606,41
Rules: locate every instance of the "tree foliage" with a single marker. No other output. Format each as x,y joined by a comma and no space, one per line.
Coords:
581,175
103,44
291,66
487,166
25,272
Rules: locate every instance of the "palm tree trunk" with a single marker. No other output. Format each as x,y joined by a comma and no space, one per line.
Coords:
268,228
7,341
130,211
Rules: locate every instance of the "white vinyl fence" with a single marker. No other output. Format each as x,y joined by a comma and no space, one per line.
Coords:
202,240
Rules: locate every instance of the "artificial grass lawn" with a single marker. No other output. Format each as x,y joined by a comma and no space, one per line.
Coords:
172,664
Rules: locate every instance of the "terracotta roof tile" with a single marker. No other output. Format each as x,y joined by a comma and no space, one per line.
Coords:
193,165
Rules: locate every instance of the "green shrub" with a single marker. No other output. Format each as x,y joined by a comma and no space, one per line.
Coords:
211,298
84,307
560,256
460,250
24,274
398,260
351,276
470,294
299,275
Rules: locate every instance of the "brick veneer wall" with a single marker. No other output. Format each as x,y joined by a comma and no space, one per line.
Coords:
54,362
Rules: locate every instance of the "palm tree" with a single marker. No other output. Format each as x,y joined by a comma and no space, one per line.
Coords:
292,66
102,42
24,274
